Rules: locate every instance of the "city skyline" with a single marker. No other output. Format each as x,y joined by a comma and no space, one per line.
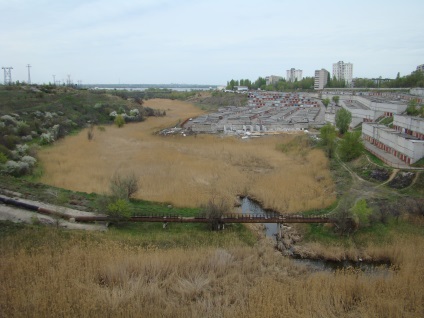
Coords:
206,42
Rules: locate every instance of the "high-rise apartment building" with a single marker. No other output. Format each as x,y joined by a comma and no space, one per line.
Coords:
321,78
293,75
272,79
420,68
343,71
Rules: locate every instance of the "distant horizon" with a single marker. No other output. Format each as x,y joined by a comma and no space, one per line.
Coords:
139,41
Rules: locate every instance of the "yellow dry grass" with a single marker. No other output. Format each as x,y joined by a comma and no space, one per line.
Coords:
88,275
188,171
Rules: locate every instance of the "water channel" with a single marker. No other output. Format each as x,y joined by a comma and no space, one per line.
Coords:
250,207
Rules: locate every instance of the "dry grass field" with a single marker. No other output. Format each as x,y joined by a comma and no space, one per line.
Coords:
188,171
52,273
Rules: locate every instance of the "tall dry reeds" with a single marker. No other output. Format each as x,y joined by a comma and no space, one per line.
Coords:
188,171
89,275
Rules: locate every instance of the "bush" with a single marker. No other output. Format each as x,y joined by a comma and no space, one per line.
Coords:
362,213
16,168
124,187
119,121
5,151
351,146
9,141
46,138
3,158
214,210
119,208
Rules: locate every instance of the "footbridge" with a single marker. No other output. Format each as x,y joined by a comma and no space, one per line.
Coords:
225,219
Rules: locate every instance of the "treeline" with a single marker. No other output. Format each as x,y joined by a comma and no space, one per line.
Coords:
282,85
415,79
154,93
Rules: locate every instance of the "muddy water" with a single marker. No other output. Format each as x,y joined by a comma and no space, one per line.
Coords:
250,207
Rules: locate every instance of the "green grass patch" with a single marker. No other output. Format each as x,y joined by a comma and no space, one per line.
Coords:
375,159
387,121
148,235
419,163
185,235
318,212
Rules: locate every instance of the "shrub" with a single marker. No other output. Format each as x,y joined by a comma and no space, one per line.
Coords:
9,141
351,146
124,187
214,210
362,213
21,150
31,161
119,208
4,150
119,121
46,138
3,158
23,129
90,133
16,168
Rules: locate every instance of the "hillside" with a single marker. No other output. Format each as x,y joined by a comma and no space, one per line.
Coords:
39,115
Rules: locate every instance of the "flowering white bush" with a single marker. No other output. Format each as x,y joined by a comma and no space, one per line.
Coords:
134,112
22,149
31,161
8,119
46,138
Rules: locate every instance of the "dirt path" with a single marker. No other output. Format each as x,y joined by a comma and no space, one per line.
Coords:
17,215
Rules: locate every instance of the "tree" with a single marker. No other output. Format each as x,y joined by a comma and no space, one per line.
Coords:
214,210
328,139
351,146
336,99
412,109
326,101
124,187
343,120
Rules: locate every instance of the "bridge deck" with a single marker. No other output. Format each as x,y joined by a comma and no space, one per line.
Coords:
229,218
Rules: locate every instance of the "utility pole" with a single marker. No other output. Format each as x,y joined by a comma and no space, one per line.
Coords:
7,75
29,75
54,80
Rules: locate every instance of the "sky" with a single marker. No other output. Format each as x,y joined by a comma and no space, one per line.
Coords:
205,41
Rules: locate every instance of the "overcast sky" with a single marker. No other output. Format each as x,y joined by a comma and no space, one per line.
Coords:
206,42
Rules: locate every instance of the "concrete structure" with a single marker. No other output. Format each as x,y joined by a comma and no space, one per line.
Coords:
266,112
272,79
293,75
395,144
321,78
343,71
241,88
370,108
420,68
413,126
417,91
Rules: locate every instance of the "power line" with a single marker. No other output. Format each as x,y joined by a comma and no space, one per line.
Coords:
29,75
7,75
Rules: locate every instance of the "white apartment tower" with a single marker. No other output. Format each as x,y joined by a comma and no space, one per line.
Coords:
321,78
343,71
293,75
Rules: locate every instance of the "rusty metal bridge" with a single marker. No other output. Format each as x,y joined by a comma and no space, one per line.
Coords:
227,218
